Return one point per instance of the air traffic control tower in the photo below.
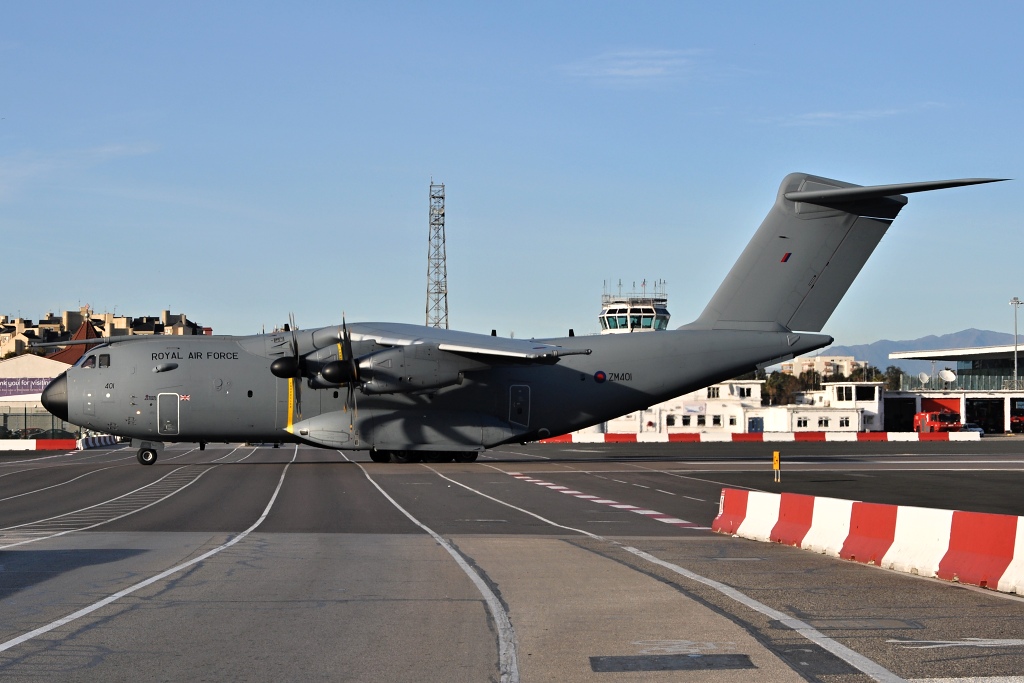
(641, 311)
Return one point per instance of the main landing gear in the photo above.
(147, 456)
(422, 456)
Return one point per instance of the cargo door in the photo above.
(519, 405)
(167, 414)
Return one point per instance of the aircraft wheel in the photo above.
(147, 456)
(202, 445)
(380, 456)
(406, 456)
(466, 457)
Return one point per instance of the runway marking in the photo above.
(229, 453)
(650, 514)
(508, 661)
(526, 455)
(27, 493)
(151, 580)
(101, 513)
(851, 657)
(668, 492)
(965, 642)
(246, 457)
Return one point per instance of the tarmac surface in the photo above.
(555, 562)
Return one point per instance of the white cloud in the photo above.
(634, 67)
(834, 118)
(18, 169)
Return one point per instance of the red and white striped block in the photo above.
(37, 444)
(757, 437)
(977, 548)
(96, 442)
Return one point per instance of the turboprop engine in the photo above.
(415, 367)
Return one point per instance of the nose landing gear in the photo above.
(147, 456)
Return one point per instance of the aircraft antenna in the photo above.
(437, 268)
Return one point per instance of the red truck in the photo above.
(937, 421)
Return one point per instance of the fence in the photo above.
(34, 423)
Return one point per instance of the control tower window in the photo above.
(613, 323)
(647, 321)
(660, 323)
(90, 362)
(634, 320)
(623, 322)
(604, 323)
(104, 360)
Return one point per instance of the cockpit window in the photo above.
(104, 360)
(90, 362)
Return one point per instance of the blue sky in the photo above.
(238, 161)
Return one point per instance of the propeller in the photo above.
(352, 372)
(345, 371)
(290, 367)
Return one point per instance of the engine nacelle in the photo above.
(415, 367)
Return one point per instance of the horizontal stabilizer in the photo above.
(853, 194)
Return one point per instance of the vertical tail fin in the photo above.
(807, 252)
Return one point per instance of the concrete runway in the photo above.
(537, 563)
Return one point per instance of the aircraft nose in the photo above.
(55, 396)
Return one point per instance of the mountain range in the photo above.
(877, 353)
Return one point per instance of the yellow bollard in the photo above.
(777, 466)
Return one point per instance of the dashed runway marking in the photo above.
(650, 514)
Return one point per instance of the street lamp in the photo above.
(1015, 302)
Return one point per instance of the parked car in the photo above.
(972, 427)
(27, 433)
(55, 434)
(6, 433)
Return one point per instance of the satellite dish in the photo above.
(924, 377)
(947, 375)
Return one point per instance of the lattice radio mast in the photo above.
(437, 268)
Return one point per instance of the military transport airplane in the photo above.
(407, 392)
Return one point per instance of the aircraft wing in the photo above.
(461, 343)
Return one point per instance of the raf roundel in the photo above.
(600, 376)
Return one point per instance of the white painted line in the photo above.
(153, 579)
(246, 457)
(854, 659)
(55, 485)
(508, 661)
(71, 525)
(228, 453)
(668, 492)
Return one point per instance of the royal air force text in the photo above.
(196, 355)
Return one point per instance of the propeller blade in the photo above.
(296, 367)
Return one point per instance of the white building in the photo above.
(825, 366)
(735, 407)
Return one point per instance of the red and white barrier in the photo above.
(977, 548)
(96, 442)
(757, 437)
(37, 444)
